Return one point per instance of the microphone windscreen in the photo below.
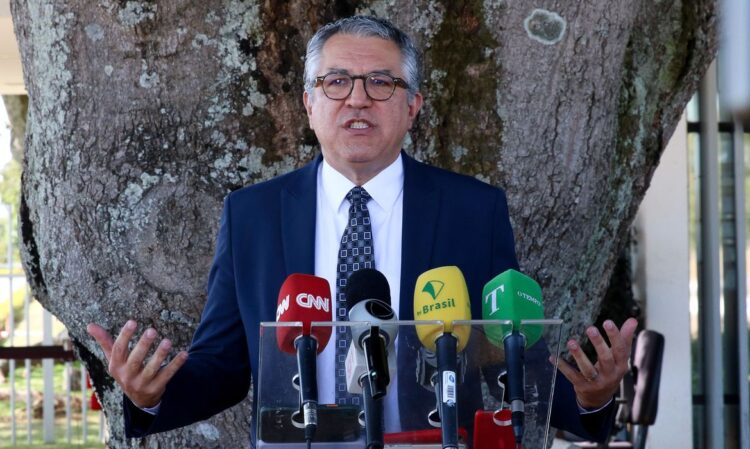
(368, 298)
(513, 296)
(303, 298)
(441, 294)
(367, 283)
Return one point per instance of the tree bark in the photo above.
(143, 115)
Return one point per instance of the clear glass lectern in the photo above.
(410, 416)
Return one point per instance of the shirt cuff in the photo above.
(581, 409)
(155, 409)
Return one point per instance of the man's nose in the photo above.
(358, 97)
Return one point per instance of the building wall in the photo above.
(662, 280)
(11, 74)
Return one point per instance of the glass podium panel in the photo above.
(409, 408)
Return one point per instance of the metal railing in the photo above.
(29, 344)
(49, 355)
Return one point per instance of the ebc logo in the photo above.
(433, 288)
(309, 301)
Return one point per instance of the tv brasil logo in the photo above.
(434, 288)
(304, 300)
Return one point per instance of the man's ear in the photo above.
(414, 107)
(307, 100)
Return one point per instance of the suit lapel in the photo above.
(421, 209)
(298, 205)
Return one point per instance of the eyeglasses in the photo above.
(378, 86)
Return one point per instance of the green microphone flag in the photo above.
(513, 296)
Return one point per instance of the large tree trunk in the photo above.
(143, 115)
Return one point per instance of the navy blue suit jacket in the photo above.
(267, 232)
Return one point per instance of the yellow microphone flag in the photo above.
(441, 294)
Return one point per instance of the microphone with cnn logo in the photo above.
(304, 298)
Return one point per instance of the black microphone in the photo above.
(426, 369)
(368, 298)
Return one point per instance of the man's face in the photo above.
(359, 136)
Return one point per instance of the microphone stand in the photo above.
(376, 357)
(446, 389)
(514, 355)
(374, 383)
(373, 416)
(308, 389)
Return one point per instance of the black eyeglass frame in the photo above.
(397, 82)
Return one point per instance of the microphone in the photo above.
(513, 296)
(441, 294)
(304, 298)
(368, 298)
(426, 368)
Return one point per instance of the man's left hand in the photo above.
(595, 384)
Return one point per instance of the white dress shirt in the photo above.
(386, 218)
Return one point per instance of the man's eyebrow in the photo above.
(346, 72)
(384, 72)
(337, 70)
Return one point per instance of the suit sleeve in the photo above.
(565, 412)
(566, 415)
(217, 372)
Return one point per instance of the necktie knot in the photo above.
(357, 196)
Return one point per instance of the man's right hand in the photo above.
(143, 383)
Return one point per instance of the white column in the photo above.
(663, 280)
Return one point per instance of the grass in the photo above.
(37, 436)
(37, 385)
(37, 377)
(57, 446)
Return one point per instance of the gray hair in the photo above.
(364, 26)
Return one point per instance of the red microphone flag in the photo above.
(303, 298)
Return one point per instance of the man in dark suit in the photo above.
(422, 217)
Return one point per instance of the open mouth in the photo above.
(358, 124)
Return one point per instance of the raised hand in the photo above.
(596, 383)
(144, 382)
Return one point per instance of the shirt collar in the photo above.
(384, 188)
